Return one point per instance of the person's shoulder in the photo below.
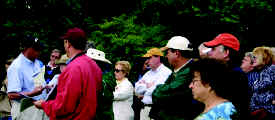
(226, 105)
(85, 59)
(221, 111)
(272, 68)
(16, 64)
(127, 82)
(186, 69)
(39, 62)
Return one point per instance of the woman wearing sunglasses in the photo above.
(123, 94)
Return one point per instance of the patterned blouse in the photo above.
(263, 90)
(222, 111)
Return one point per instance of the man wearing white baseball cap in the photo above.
(173, 100)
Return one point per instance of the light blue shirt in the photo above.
(21, 73)
(222, 111)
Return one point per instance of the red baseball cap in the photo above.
(225, 39)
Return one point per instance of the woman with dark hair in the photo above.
(210, 78)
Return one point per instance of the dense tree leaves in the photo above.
(126, 29)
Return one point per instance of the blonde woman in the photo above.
(263, 87)
(123, 94)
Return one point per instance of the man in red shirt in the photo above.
(78, 84)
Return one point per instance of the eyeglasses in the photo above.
(117, 70)
(194, 81)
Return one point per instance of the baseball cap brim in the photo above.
(164, 48)
(212, 43)
(147, 55)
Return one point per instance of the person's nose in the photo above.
(191, 85)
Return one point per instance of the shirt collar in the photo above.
(176, 70)
(158, 69)
(118, 82)
(49, 64)
(26, 59)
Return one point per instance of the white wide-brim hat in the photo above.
(97, 55)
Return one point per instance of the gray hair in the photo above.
(251, 56)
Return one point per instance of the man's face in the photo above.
(153, 61)
(217, 52)
(171, 56)
(246, 65)
(66, 47)
(33, 53)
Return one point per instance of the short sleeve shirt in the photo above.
(21, 73)
(222, 111)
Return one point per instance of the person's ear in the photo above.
(177, 52)
(226, 53)
(67, 43)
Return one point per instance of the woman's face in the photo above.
(258, 61)
(199, 90)
(119, 72)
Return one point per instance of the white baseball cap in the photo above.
(178, 42)
(97, 55)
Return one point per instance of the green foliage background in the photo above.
(124, 30)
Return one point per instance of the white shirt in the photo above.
(123, 100)
(158, 76)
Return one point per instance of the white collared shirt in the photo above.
(158, 76)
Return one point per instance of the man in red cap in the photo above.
(225, 47)
(78, 84)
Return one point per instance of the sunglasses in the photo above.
(54, 56)
(117, 70)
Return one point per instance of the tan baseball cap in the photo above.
(63, 60)
(153, 51)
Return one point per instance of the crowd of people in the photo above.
(82, 85)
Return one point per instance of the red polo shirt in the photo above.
(76, 92)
